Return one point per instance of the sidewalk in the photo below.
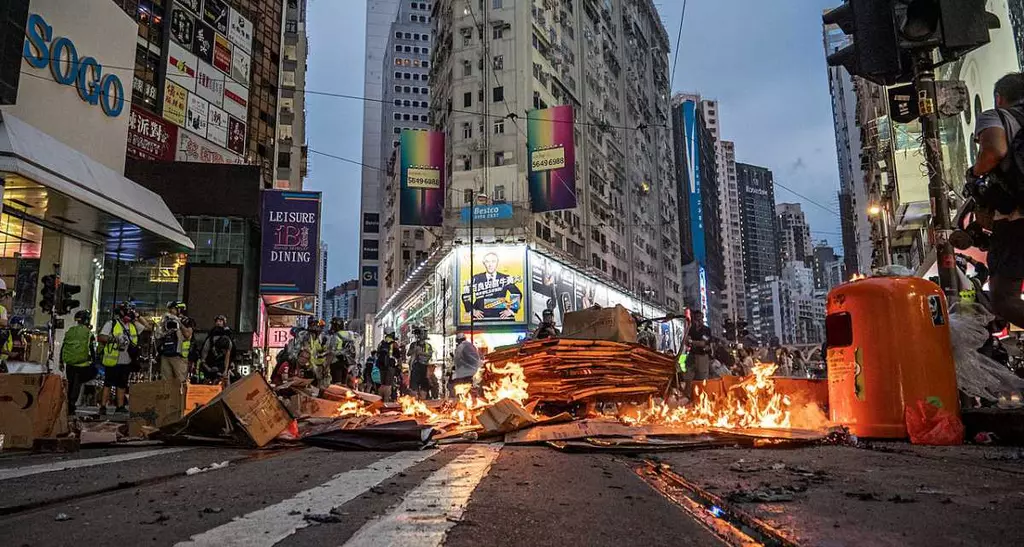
(888, 494)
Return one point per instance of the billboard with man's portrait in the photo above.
(491, 285)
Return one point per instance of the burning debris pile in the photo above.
(557, 374)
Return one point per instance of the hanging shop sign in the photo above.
(552, 151)
(175, 103)
(422, 178)
(497, 211)
(291, 242)
(84, 73)
(150, 138)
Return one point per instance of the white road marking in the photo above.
(16, 472)
(433, 507)
(272, 524)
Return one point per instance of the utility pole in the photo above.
(924, 83)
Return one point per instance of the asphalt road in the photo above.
(476, 494)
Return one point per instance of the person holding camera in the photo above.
(173, 342)
(120, 340)
(215, 356)
(996, 182)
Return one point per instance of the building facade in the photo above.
(342, 301)
(794, 234)
(493, 61)
(292, 154)
(380, 17)
(734, 302)
(760, 237)
(698, 186)
(827, 266)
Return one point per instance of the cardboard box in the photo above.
(156, 404)
(32, 406)
(304, 406)
(505, 416)
(256, 408)
(612, 324)
(38, 350)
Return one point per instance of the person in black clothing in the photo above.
(547, 328)
(389, 357)
(215, 356)
(698, 366)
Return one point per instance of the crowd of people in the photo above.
(128, 340)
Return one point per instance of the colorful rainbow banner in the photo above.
(552, 152)
(423, 178)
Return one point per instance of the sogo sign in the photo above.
(67, 68)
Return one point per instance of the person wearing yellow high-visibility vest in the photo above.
(6, 336)
(317, 347)
(117, 338)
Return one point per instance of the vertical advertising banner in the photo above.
(291, 242)
(492, 284)
(422, 174)
(692, 143)
(552, 172)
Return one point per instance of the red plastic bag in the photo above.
(929, 423)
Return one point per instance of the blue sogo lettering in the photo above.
(85, 73)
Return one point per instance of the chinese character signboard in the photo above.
(291, 242)
(150, 138)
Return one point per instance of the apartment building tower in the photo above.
(493, 61)
(794, 234)
(292, 154)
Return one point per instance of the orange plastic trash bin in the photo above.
(888, 347)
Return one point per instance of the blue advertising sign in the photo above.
(692, 141)
(291, 242)
(67, 68)
(498, 211)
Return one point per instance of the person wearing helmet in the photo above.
(6, 334)
(341, 351)
(547, 328)
(173, 338)
(316, 343)
(119, 339)
(215, 355)
(77, 355)
(389, 356)
(467, 362)
(420, 353)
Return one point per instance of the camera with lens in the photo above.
(170, 324)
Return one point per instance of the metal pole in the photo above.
(886, 243)
(924, 81)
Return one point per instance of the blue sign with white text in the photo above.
(43, 50)
(498, 211)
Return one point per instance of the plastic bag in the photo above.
(977, 375)
(929, 423)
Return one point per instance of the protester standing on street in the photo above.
(215, 355)
(6, 334)
(341, 351)
(698, 365)
(547, 328)
(389, 355)
(119, 338)
(420, 354)
(997, 133)
(467, 362)
(78, 356)
(173, 341)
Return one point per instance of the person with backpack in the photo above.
(341, 351)
(996, 182)
(389, 357)
(78, 356)
(119, 338)
(173, 342)
(215, 356)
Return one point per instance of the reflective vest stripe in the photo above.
(111, 351)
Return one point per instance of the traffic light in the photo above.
(50, 284)
(875, 53)
(64, 301)
(956, 27)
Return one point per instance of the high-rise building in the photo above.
(321, 282)
(827, 267)
(794, 234)
(853, 197)
(735, 301)
(342, 301)
(698, 186)
(380, 16)
(760, 237)
(406, 105)
(208, 74)
(292, 154)
(494, 60)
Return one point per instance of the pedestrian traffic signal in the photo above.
(49, 292)
(875, 53)
(64, 301)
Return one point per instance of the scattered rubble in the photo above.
(197, 470)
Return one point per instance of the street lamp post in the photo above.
(882, 214)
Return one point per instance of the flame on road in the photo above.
(753, 403)
(508, 382)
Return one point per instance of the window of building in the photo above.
(499, 94)
(398, 130)
(406, 75)
(284, 159)
(467, 130)
(398, 89)
(425, 64)
(398, 116)
(496, 4)
(467, 99)
(499, 192)
(398, 75)
(398, 102)
(398, 35)
(405, 117)
(499, 159)
(467, 35)
(499, 127)
(424, 78)
(408, 36)
(499, 62)
(406, 103)
(426, 51)
(415, 50)
(467, 196)
(406, 88)
(467, 67)
(498, 33)
(398, 49)
(467, 162)
(416, 36)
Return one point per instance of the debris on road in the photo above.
(197, 470)
(61, 517)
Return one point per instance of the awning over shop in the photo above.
(52, 182)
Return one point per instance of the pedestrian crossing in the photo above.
(29, 470)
